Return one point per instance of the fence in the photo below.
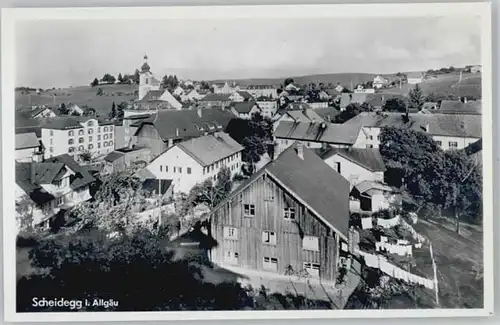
(381, 263)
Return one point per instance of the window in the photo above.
(70, 141)
(370, 137)
(217, 165)
(166, 168)
(80, 140)
(269, 237)
(51, 149)
(90, 138)
(80, 132)
(99, 129)
(337, 166)
(249, 209)
(71, 149)
(105, 144)
(453, 144)
(439, 143)
(90, 123)
(99, 137)
(180, 170)
(310, 243)
(105, 137)
(161, 168)
(189, 170)
(80, 148)
(378, 137)
(175, 168)
(230, 233)
(58, 183)
(270, 263)
(312, 269)
(71, 133)
(369, 146)
(59, 201)
(289, 213)
(204, 169)
(110, 143)
(110, 129)
(231, 257)
(105, 129)
(91, 146)
(90, 131)
(213, 166)
(98, 145)
(51, 133)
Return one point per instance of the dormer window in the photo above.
(80, 132)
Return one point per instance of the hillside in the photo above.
(83, 95)
(445, 85)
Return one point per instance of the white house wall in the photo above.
(354, 173)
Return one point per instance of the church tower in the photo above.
(145, 78)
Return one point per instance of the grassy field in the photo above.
(83, 95)
(459, 260)
(445, 85)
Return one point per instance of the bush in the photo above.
(239, 177)
(26, 241)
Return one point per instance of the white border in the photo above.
(10, 16)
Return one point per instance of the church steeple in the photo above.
(145, 66)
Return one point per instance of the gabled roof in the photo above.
(243, 107)
(327, 112)
(71, 122)
(414, 75)
(311, 182)
(306, 115)
(82, 177)
(458, 125)
(216, 97)
(430, 105)
(26, 140)
(39, 110)
(318, 132)
(114, 155)
(369, 187)
(152, 95)
(244, 94)
(179, 124)
(369, 158)
(350, 98)
(210, 148)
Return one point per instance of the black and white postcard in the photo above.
(318, 160)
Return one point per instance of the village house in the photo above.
(225, 88)
(338, 88)
(349, 98)
(147, 80)
(355, 164)
(262, 91)
(241, 96)
(28, 148)
(245, 110)
(373, 196)
(291, 215)
(414, 78)
(43, 111)
(166, 128)
(126, 158)
(362, 90)
(74, 135)
(267, 106)
(178, 91)
(430, 106)
(219, 100)
(380, 82)
(74, 109)
(126, 128)
(46, 189)
(193, 95)
(193, 161)
(314, 135)
(450, 131)
(305, 115)
(323, 95)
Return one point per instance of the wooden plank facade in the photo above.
(270, 200)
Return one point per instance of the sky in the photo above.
(63, 53)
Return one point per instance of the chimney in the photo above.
(299, 147)
(198, 111)
(465, 100)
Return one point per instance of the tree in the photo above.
(121, 110)
(136, 77)
(107, 78)
(288, 81)
(416, 97)
(86, 156)
(112, 113)
(432, 176)
(25, 208)
(120, 78)
(395, 105)
(255, 147)
(63, 109)
(94, 83)
(99, 92)
(351, 111)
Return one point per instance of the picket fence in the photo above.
(381, 263)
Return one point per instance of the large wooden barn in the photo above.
(293, 214)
